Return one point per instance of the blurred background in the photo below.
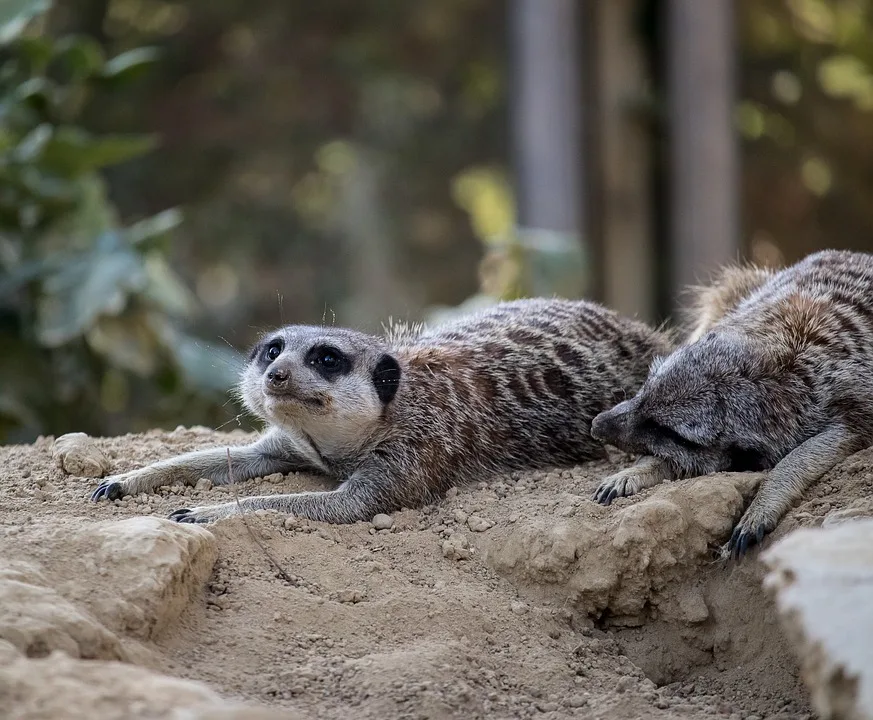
(177, 176)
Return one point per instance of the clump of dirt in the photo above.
(517, 598)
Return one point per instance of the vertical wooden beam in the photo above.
(704, 206)
(622, 82)
(546, 111)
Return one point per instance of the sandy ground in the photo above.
(514, 598)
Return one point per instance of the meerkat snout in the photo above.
(613, 426)
(277, 379)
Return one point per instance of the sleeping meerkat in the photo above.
(398, 420)
(778, 377)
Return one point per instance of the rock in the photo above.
(479, 524)
(76, 454)
(856, 511)
(823, 582)
(60, 686)
(519, 608)
(36, 620)
(204, 484)
(624, 559)
(383, 522)
(456, 547)
(275, 478)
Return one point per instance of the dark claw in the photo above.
(183, 515)
(109, 489)
(742, 540)
(613, 494)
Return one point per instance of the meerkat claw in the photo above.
(109, 489)
(608, 491)
(743, 539)
(185, 515)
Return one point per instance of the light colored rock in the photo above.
(823, 582)
(77, 454)
(630, 556)
(383, 522)
(204, 484)
(153, 569)
(456, 547)
(477, 523)
(36, 620)
(58, 686)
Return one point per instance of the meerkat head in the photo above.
(700, 408)
(332, 385)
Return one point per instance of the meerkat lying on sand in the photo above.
(778, 376)
(398, 420)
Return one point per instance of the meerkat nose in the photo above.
(608, 425)
(277, 378)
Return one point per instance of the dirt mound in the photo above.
(515, 598)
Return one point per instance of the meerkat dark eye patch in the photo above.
(272, 350)
(669, 433)
(386, 378)
(328, 361)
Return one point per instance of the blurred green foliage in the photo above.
(86, 302)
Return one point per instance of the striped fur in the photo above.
(512, 388)
(780, 379)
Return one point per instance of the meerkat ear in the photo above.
(386, 378)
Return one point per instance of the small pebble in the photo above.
(383, 522)
(452, 492)
(204, 484)
(479, 524)
(519, 608)
(456, 547)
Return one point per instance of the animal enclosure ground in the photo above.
(514, 598)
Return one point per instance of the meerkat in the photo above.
(398, 420)
(777, 378)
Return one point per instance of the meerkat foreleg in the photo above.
(647, 472)
(351, 502)
(375, 487)
(274, 452)
(786, 483)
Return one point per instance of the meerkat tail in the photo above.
(787, 482)
(729, 288)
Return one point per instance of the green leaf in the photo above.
(155, 226)
(128, 342)
(73, 151)
(33, 144)
(81, 56)
(35, 51)
(16, 14)
(206, 366)
(166, 290)
(129, 65)
(34, 87)
(95, 284)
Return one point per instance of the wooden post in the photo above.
(704, 206)
(546, 111)
(622, 83)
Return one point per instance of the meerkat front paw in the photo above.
(619, 485)
(205, 514)
(112, 488)
(749, 531)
